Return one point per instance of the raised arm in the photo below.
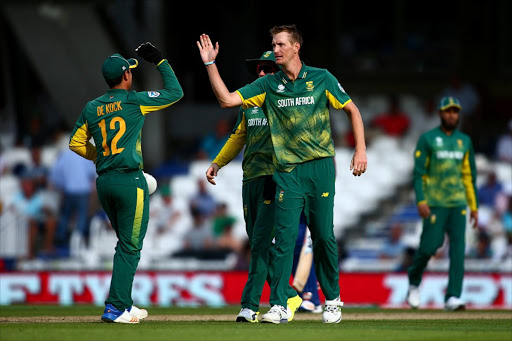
(208, 54)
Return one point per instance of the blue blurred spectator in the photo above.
(203, 201)
(393, 248)
(212, 143)
(74, 176)
(29, 202)
(488, 192)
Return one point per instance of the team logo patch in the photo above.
(459, 143)
(325, 194)
(310, 86)
(439, 141)
(418, 153)
(281, 195)
(341, 88)
(280, 88)
(153, 94)
(433, 218)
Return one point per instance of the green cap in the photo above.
(115, 65)
(449, 102)
(266, 58)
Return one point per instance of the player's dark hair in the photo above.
(113, 82)
(295, 35)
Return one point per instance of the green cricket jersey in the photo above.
(115, 122)
(251, 130)
(445, 170)
(297, 112)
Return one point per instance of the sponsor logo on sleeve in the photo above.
(153, 94)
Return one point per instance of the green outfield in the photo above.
(23, 322)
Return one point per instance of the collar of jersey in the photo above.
(302, 74)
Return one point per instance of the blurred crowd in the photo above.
(53, 189)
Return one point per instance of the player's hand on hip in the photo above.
(149, 52)
(211, 173)
(358, 163)
(207, 50)
(423, 210)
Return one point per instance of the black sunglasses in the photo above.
(265, 68)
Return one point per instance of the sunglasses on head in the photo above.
(265, 68)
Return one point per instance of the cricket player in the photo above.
(114, 121)
(445, 186)
(258, 193)
(296, 102)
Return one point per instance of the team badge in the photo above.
(459, 143)
(433, 218)
(439, 141)
(153, 94)
(281, 195)
(310, 86)
(280, 88)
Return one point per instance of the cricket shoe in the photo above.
(332, 311)
(309, 307)
(111, 314)
(138, 313)
(293, 304)
(454, 304)
(247, 315)
(413, 296)
(276, 314)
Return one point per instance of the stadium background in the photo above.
(51, 53)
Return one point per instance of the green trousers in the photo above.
(125, 199)
(309, 187)
(452, 222)
(259, 207)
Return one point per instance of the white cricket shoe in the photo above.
(276, 314)
(138, 313)
(332, 311)
(112, 314)
(247, 315)
(454, 304)
(413, 296)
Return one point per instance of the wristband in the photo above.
(210, 63)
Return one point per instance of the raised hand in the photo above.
(149, 52)
(207, 51)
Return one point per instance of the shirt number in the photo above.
(119, 134)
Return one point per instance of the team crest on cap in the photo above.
(153, 94)
(266, 54)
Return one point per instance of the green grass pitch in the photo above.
(24, 322)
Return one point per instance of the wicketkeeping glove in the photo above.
(149, 52)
